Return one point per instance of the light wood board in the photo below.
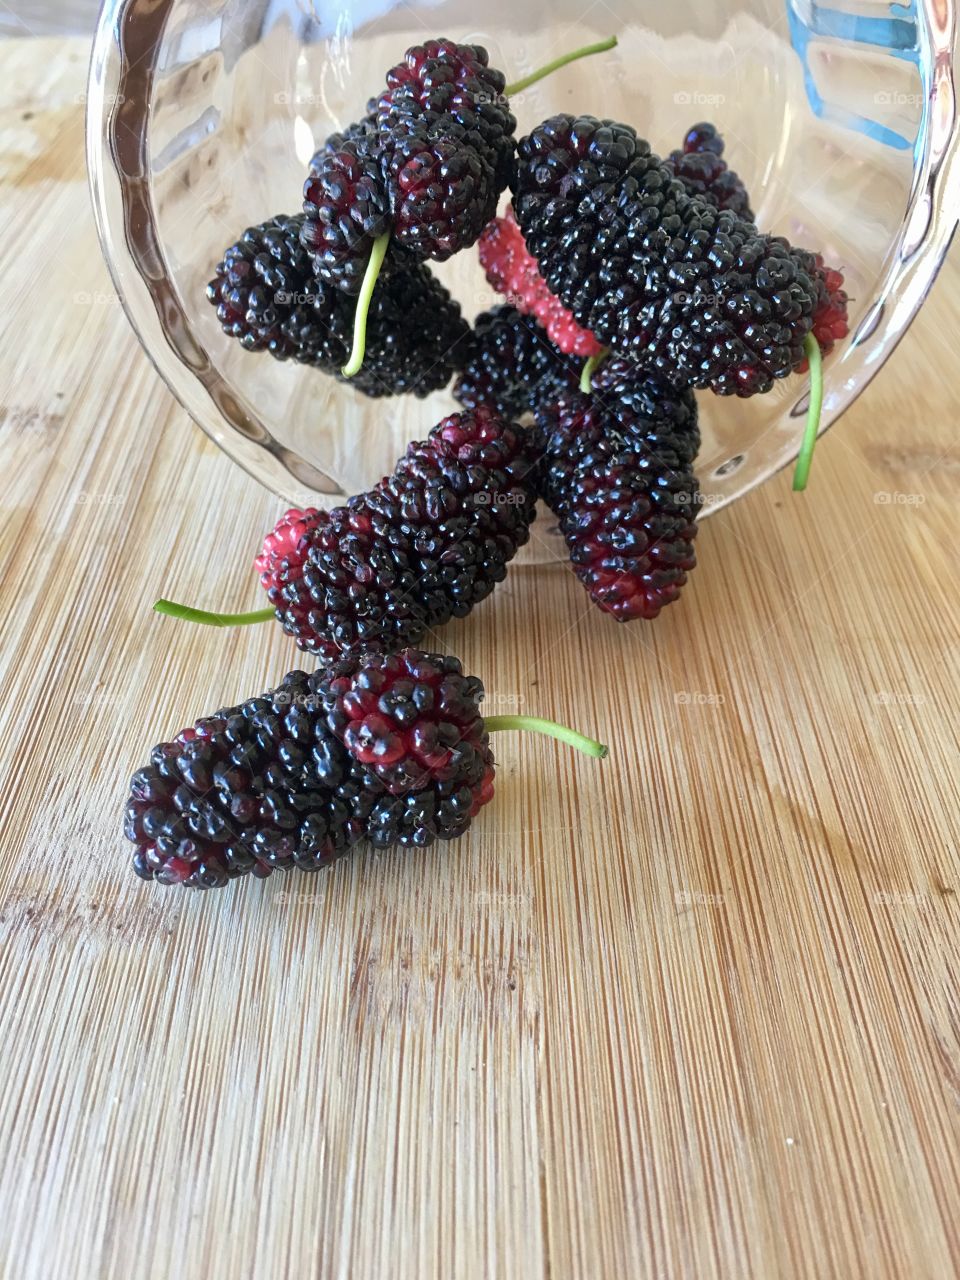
(691, 1012)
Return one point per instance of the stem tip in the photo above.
(534, 724)
(186, 613)
(601, 46)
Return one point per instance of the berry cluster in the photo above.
(629, 282)
(657, 259)
(417, 178)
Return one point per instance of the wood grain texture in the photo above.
(692, 1012)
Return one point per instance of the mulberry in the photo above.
(512, 366)
(695, 293)
(424, 545)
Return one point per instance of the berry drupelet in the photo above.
(268, 298)
(695, 293)
(474, 451)
(442, 194)
(251, 789)
(424, 545)
(580, 431)
(512, 270)
(455, 546)
(627, 505)
(511, 365)
(700, 166)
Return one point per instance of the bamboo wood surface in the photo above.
(688, 1012)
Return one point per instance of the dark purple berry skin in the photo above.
(346, 208)
(581, 430)
(442, 193)
(252, 789)
(452, 88)
(446, 136)
(263, 281)
(703, 172)
(702, 138)
(571, 433)
(627, 506)
(412, 719)
(442, 811)
(416, 337)
(692, 292)
(268, 298)
(512, 366)
(648, 413)
(343, 588)
(349, 133)
(423, 546)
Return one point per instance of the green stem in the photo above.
(187, 614)
(533, 724)
(590, 368)
(802, 473)
(600, 47)
(355, 363)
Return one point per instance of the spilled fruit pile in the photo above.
(629, 282)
